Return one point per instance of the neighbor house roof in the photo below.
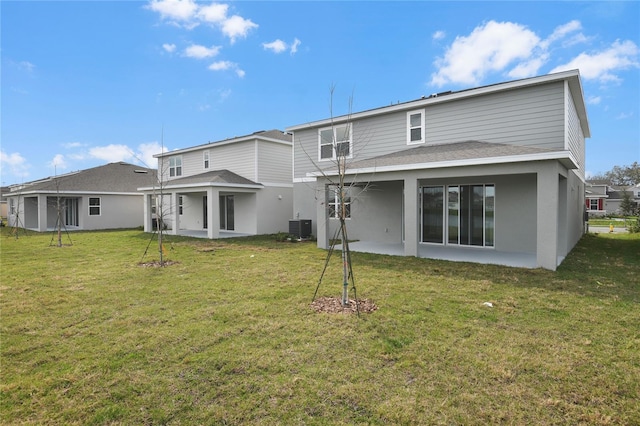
(111, 178)
(451, 155)
(224, 178)
(571, 77)
(275, 135)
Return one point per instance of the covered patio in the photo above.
(454, 254)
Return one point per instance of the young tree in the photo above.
(336, 139)
(627, 205)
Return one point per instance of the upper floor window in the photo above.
(335, 142)
(205, 158)
(175, 166)
(415, 127)
(94, 206)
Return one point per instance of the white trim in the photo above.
(62, 193)
(305, 179)
(99, 206)
(409, 128)
(202, 185)
(334, 142)
(558, 155)
(206, 159)
(211, 145)
(277, 184)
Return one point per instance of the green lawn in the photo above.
(226, 336)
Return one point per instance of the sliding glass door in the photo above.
(467, 217)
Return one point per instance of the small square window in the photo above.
(94, 206)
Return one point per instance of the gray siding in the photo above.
(529, 116)
(238, 158)
(274, 163)
(575, 137)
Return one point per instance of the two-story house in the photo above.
(493, 174)
(237, 186)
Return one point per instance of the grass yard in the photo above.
(227, 336)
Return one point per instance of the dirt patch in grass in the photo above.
(157, 264)
(333, 305)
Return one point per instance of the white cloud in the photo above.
(112, 153)
(214, 13)
(490, 47)
(276, 46)
(624, 116)
(169, 47)
(227, 65)
(237, 26)
(58, 162)
(602, 65)
(174, 10)
(279, 46)
(189, 14)
(26, 66)
(438, 35)
(71, 145)
(518, 52)
(561, 32)
(146, 151)
(594, 100)
(16, 163)
(200, 52)
(294, 46)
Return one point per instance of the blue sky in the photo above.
(87, 83)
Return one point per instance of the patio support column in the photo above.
(148, 221)
(547, 205)
(42, 213)
(175, 217)
(213, 213)
(321, 215)
(411, 221)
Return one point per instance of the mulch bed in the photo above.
(333, 305)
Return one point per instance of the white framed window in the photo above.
(334, 203)
(180, 204)
(415, 127)
(95, 206)
(335, 142)
(175, 166)
(205, 159)
(12, 206)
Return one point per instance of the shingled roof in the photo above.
(447, 152)
(220, 177)
(118, 177)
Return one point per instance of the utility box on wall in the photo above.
(300, 228)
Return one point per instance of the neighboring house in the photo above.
(603, 199)
(103, 197)
(493, 174)
(4, 207)
(596, 194)
(238, 186)
(616, 195)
